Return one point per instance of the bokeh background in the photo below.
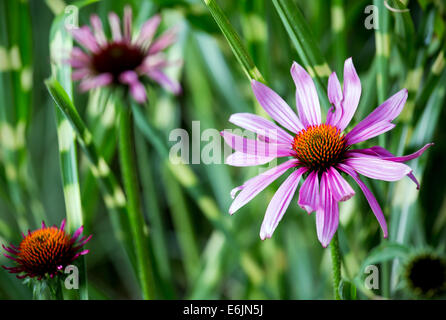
(198, 250)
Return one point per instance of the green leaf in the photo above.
(385, 252)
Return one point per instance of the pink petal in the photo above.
(377, 168)
(309, 193)
(255, 185)
(276, 107)
(148, 30)
(261, 126)
(85, 38)
(327, 215)
(369, 196)
(240, 159)
(379, 121)
(335, 97)
(279, 203)
(101, 80)
(307, 101)
(98, 30)
(77, 233)
(128, 23)
(79, 59)
(62, 224)
(80, 74)
(115, 26)
(165, 40)
(256, 147)
(387, 155)
(167, 83)
(137, 89)
(351, 94)
(339, 187)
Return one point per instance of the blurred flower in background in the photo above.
(318, 149)
(125, 58)
(425, 273)
(46, 251)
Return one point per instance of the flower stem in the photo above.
(136, 218)
(55, 288)
(336, 265)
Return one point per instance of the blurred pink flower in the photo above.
(125, 58)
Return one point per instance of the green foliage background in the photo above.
(197, 250)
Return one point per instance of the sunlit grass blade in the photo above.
(113, 195)
(234, 41)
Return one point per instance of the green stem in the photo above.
(136, 218)
(55, 286)
(336, 265)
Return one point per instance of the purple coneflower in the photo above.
(319, 151)
(124, 59)
(45, 251)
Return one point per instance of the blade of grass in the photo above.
(234, 41)
(158, 230)
(112, 193)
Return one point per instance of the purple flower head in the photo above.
(45, 251)
(125, 59)
(318, 151)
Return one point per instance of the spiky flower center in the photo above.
(319, 147)
(45, 250)
(117, 57)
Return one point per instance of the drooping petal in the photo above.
(256, 147)
(309, 193)
(339, 187)
(351, 94)
(261, 126)
(377, 168)
(276, 107)
(335, 97)
(279, 203)
(379, 121)
(137, 89)
(307, 101)
(240, 159)
(255, 185)
(387, 155)
(369, 196)
(115, 26)
(163, 80)
(101, 80)
(327, 214)
(148, 30)
(165, 40)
